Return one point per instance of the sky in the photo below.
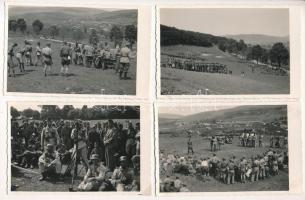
(228, 21)
(23, 106)
(189, 110)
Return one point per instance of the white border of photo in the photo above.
(146, 171)
(295, 13)
(294, 142)
(144, 45)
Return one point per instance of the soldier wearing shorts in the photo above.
(28, 52)
(65, 54)
(47, 58)
(38, 55)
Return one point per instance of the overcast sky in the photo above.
(229, 21)
(23, 106)
(188, 110)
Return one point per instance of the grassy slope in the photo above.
(187, 82)
(81, 81)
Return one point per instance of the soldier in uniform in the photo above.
(124, 61)
(49, 163)
(231, 172)
(65, 54)
(255, 170)
(80, 139)
(38, 55)
(49, 135)
(47, 58)
(110, 142)
(95, 178)
(130, 142)
(223, 170)
(28, 52)
(242, 169)
(89, 53)
(122, 177)
(10, 62)
(190, 147)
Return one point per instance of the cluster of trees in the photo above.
(84, 113)
(278, 55)
(117, 34)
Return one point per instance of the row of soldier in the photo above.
(226, 170)
(99, 55)
(196, 65)
(114, 151)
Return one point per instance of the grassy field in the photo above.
(177, 82)
(178, 144)
(80, 80)
(28, 181)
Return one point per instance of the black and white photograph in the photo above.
(224, 51)
(62, 148)
(72, 50)
(223, 148)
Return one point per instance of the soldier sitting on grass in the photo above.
(49, 164)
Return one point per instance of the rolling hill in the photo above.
(260, 39)
(73, 16)
(241, 113)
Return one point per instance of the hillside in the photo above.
(74, 16)
(260, 39)
(241, 113)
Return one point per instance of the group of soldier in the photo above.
(99, 55)
(249, 139)
(217, 141)
(226, 170)
(108, 151)
(196, 65)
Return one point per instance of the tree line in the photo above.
(69, 112)
(116, 34)
(277, 55)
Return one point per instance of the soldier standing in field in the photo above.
(10, 62)
(190, 147)
(38, 55)
(65, 54)
(28, 52)
(47, 58)
(124, 61)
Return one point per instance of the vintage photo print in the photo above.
(224, 51)
(72, 50)
(224, 148)
(61, 148)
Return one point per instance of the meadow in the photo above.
(242, 80)
(80, 80)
